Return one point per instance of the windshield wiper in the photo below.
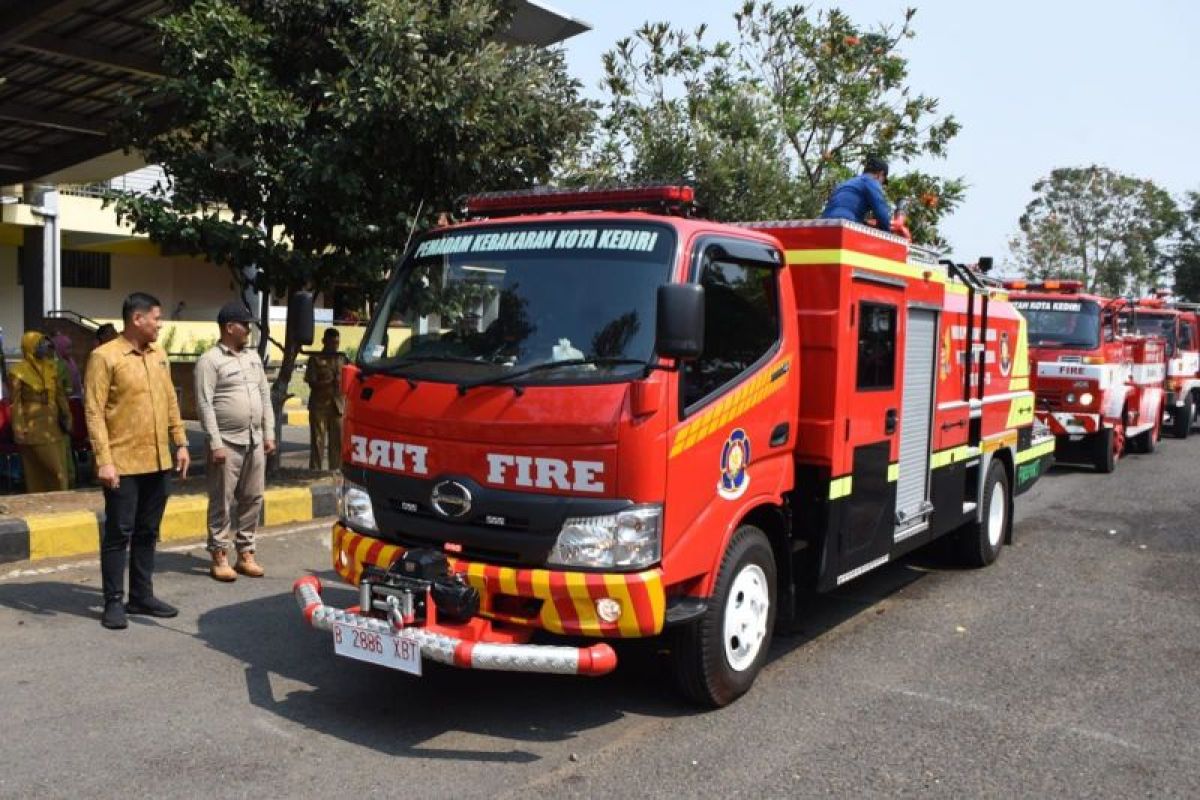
(396, 366)
(497, 380)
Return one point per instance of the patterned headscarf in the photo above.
(41, 374)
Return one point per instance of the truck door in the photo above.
(916, 404)
(872, 422)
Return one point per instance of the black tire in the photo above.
(1103, 457)
(702, 666)
(979, 542)
(1181, 420)
(1147, 441)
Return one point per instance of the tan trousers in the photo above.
(235, 497)
(45, 467)
(325, 435)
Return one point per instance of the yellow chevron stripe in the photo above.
(840, 487)
(541, 589)
(944, 458)
(585, 612)
(731, 407)
(1037, 451)
(618, 589)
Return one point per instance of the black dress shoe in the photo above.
(113, 617)
(151, 607)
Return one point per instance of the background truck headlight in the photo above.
(354, 506)
(629, 539)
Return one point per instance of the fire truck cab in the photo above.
(591, 415)
(1175, 324)
(1099, 388)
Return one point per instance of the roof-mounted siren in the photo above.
(1152, 302)
(1052, 285)
(657, 198)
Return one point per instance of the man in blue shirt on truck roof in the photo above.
(853, 198)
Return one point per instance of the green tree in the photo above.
(1100, 226)
(767, 125)
(308, 137)
(1187, 253)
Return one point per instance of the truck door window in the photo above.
(876, 346)
(741, 325)
(1187, 337)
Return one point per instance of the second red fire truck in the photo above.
(588, 414)
(1099, 388)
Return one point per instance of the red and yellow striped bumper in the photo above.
(553, 600)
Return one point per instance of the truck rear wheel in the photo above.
(979, 542)
(1181, 420)
(717, 657)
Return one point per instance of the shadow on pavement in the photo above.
(401, 715)
(50, 598)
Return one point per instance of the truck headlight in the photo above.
(1085, 399)
(629, 539)
(354, 506)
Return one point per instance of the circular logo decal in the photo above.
(735, 458)
(451, 499)
(1005, 355)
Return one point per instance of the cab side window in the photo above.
(741, 325)
(1187, 337)
(876, 346)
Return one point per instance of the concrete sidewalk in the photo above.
(76, 532)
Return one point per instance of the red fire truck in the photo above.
(1175, 324)
(590, 414)
(1099, 389)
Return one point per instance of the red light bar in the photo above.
(662, 198)
(1152, 302)
(1016, 284)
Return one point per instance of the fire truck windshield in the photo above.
(476, 305)
(1151, 324)
(1072, 324)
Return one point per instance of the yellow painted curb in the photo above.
(293, 402)
(282, 506)
(186, 517)
(298, 417)
(70, 533)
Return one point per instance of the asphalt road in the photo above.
(1069, 668)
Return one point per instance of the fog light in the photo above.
(608, 610)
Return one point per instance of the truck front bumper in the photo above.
(465, 645)
(557, 601)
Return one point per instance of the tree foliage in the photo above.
(1100, 226)
(767, 125)
(308, 137)
(1187, 253)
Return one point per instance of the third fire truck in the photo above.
(591, 415)
(1099, 388)
(1175, 324)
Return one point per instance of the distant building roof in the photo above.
(64, 65)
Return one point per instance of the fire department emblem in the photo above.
(735, 458)
(1005, 355)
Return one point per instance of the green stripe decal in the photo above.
(1037, 451)
(944, 458)
(893, 473)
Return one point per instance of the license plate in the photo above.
(386, 650)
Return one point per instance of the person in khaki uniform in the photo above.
(40, 415)
(133, 419)
(234, 403)
(326, 403)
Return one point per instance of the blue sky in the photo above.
(1036, 85)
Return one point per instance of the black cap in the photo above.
(234, 311)
(876, 164)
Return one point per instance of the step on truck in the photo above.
(592, 417)
(1099, 387)
(1175, 324)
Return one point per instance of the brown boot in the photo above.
(247, 565)
(220, 569)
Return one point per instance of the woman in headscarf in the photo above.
(40, 415)
(72, 387)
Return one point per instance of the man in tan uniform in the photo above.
(234, 404)
(133, 420)
(326, 403)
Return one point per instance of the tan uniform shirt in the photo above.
(323, 374)
(131, 409)
(233, 397)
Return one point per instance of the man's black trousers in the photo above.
(132, 514)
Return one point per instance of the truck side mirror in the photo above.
(680, 332)
(300, 322)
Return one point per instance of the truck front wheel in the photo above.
(1181, 418)
(1106, 446)
(717, 657)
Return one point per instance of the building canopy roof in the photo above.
(66, 64)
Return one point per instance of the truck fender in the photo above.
(1114, 402)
